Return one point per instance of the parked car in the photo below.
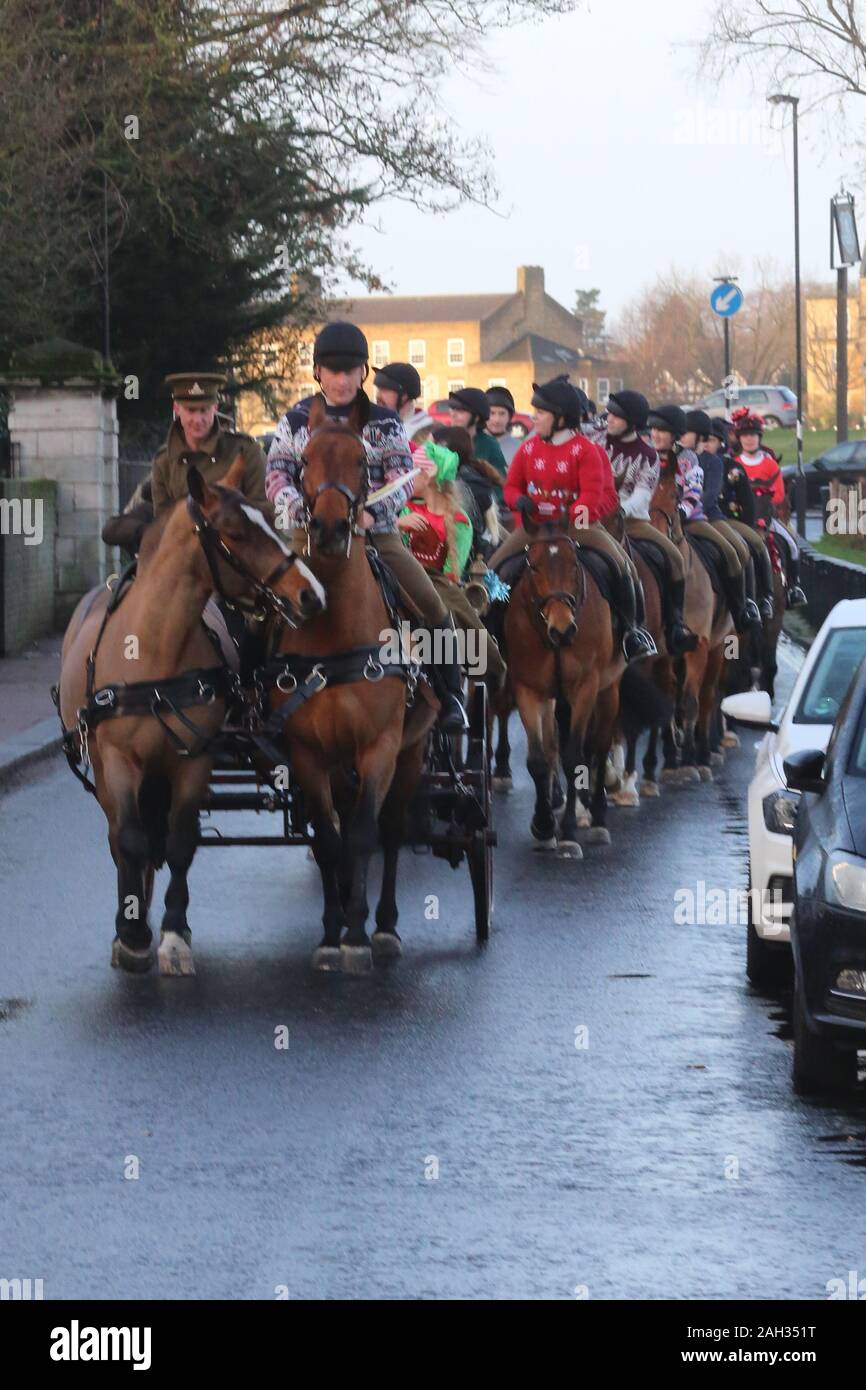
(806, 722)
(841, 461)
(828, 930)
(777, 404)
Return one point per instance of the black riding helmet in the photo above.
(563, 400)
(719, 427)
(501, 396)
(668, 417)
(700, 422)
(474, 400)
(340, 346)
(400, 377)
(630, 406)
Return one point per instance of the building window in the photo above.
(417, 352)
(305, 355)
(495, 381)
(455, 386)
(618, 384)
(381, 350)
(456, 353)
(270, 358)
(431, 389)
(584, 385)
(602, 389)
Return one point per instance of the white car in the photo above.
(806, 722)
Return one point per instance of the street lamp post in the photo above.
(780, 99)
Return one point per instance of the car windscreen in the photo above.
(831, 675)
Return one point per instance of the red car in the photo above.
(521, 424)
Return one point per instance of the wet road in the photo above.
(432, 1131)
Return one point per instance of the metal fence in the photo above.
(10, 457)
(826, 581)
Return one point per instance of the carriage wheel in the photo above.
(480, 854)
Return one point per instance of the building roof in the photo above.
(533, 348)
(421, 308)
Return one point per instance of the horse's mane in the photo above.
(153, 535)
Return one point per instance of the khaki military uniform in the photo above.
(213, 460)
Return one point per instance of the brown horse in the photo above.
(709, 618)
(354, 753)
(562, 650)
(150, 756)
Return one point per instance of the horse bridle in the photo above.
(563, 595)
(356, 500)
(265, 600)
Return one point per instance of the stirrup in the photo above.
(767, 608)
(637, 644)
(796, 597)
(681, 639)
(452, 716)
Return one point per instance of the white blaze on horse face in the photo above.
(255, 515)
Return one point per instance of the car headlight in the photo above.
(780, 811)
(845, 880)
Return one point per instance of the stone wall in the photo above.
(69, 434)
(28, 525)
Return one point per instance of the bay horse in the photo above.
(562, 652)
(695, 676)
(340, 706)
(148, 741)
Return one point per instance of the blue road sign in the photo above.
(726, 299)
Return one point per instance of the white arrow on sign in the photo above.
(726, 299)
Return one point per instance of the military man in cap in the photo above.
(196, 437)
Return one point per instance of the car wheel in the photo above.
(821, 1067)
(768, 963)
(771, 423)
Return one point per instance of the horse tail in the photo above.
(641, 704)
(154, 804)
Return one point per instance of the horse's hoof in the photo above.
(356, 960)
(690, 774)
(386, 945)
(569, 849)
(125, 958)
(326, 958)
(625, 798)
(584, 819)
(705, 773)
(542, 844)
(717, 760)
(598, 835)
(671, 774)
(503, 784)
(539, 834)
(175, 953)
(730, 740)
(648, 788)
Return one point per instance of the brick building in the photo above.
(509, 339)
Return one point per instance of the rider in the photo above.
(340, 366)
(737, 503)
(668, 424)
(470, 410)
(478, 480)
(502, 408)
(698, 436)
(762, 469)
(440, 536)
(635, 466)
(559, 469)
(398, 387)
(197, 437)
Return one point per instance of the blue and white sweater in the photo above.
(388, 457)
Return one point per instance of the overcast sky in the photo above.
(616, 162)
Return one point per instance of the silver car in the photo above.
(777, 404)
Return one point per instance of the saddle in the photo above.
(711, 558)
(652, 556)
(594, 562)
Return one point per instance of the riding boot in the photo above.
(796, 598)
(764, 604)
(637, 643)
(448, 682)
(679, 638)
(744, 611)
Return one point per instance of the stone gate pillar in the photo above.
(63, 414)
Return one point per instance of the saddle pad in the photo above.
(593, 562)
(652, 557)
(711, 559)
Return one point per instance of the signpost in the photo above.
(725, 301)
(844, 240)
